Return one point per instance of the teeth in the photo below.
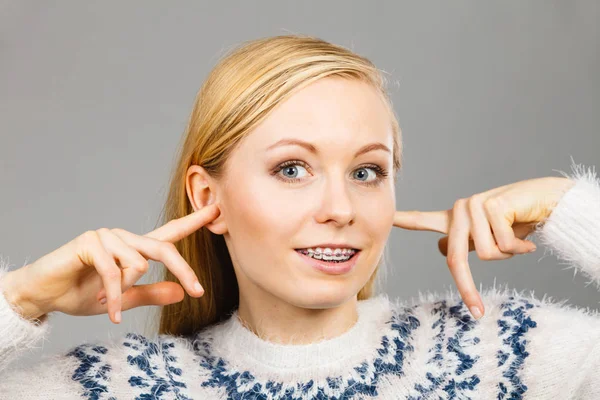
(327, 250)
(328, 254)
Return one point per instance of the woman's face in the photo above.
(279, 196)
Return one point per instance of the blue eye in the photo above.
(365, 175)
(292, 170)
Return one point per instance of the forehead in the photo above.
(331, 110)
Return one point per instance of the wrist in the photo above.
(559, 186)
(9, 285)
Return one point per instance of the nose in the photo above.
(336, 204)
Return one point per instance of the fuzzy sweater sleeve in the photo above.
(564, 351)
(60, 375)
(572, 231)
(17, 334)
(50, 377)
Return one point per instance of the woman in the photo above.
(280, 206)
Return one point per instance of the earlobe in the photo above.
(218, 226)
(202, 191)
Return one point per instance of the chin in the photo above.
(314, 289)
(321, 295)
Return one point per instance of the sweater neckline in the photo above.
(237, 344)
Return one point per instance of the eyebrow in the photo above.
(313, 149)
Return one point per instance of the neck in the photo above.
(242, 348)
(278, 321)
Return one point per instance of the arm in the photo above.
(572, 231)
(17, 334)
(566, 342)
(50, 378)
(88, 370)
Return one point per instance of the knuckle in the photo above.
(452, 260)
(169, 247)
(504, 246)
(492, 204)
(103, 231)
(113, 274)
(117, 231)
(115, 298)
(88, 236)
(459, 203)
(142, 266)
(165, 249)
(475, 200)
(485, 254)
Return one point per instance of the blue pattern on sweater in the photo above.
(92, 372)
(392, 347)
(455, 382)
(159, 372)
(512, 329)
(143, 353)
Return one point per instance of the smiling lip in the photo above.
(332, 246)
(330, 267)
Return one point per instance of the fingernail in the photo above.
(103, 300)
(475, 311)
(118, 316)
(534, 248)
(198, 287)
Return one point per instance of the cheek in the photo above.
(263, 213)
(376, 211)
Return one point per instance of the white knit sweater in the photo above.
(430, 348)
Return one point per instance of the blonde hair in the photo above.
(237, 95)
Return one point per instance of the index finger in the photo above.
(177, 229)
(435, 221)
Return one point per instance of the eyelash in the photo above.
(381, 172)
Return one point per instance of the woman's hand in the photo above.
(76, 277)
(493, 223)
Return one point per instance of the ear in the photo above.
(202, 191)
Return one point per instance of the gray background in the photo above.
(94, 97)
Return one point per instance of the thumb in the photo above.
(154, 294)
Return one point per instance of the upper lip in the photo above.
(332, 246)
